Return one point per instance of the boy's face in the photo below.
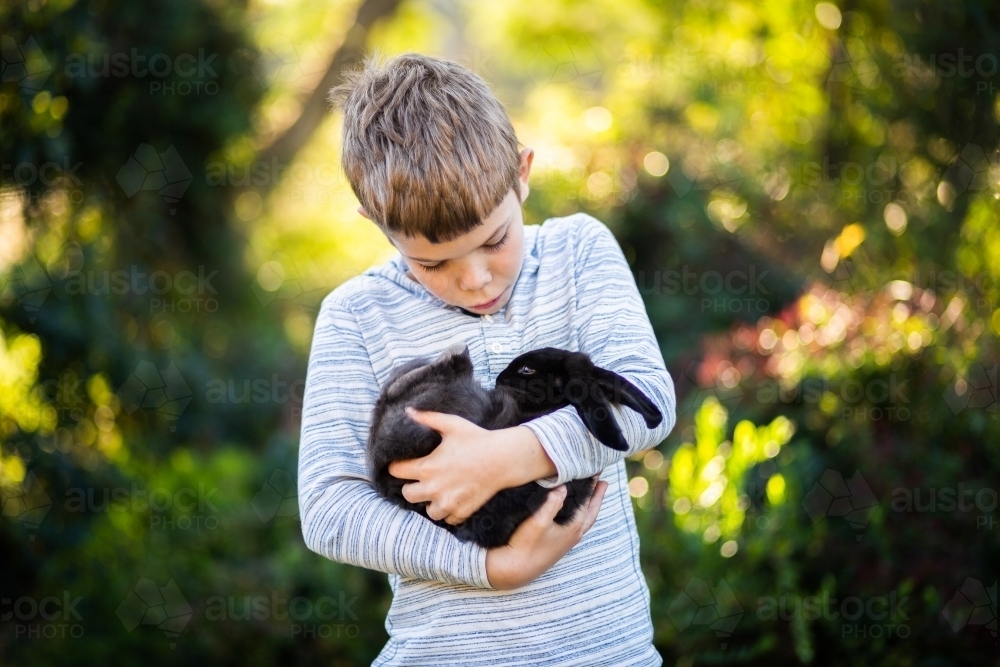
(477, 270)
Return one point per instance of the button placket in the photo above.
(495, 340)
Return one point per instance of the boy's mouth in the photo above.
(488, 304)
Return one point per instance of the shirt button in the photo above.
(489, 318)
(496, 347)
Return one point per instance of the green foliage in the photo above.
(706, 477)
(807, 195)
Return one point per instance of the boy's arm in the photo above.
(343, 518)
(611, 325)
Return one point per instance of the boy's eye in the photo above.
(489, 248)
(496, 246)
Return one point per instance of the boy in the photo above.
(434, 161)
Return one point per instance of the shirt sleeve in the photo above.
(610, 324)
(343, 518)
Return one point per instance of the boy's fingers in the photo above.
(455, 519)
(419, 416)
(437, 421)
(553, 503)
(590, 516)
(405, 469)
(415, 492)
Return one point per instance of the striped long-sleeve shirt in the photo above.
(574, 292)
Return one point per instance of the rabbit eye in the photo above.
(527, 370)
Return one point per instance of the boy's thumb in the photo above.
(433, 420)
(553, 502)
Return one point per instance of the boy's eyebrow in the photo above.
(503, 227)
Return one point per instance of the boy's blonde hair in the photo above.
(427, 147)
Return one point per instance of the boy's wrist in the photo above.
(528, 460)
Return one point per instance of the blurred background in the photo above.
(808, 195)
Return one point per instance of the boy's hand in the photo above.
(540, 542)
(469, 466)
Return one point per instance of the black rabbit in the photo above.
(534, 384)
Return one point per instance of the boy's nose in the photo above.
(474, 278)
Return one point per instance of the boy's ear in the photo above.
(524, 170)
(362, 211)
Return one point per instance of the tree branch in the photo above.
(284, 149)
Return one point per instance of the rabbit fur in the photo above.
(534, 384)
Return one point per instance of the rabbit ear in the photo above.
(407, 380)
(600, 420)
(624, 392)
(455, 358)
(453, 350)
